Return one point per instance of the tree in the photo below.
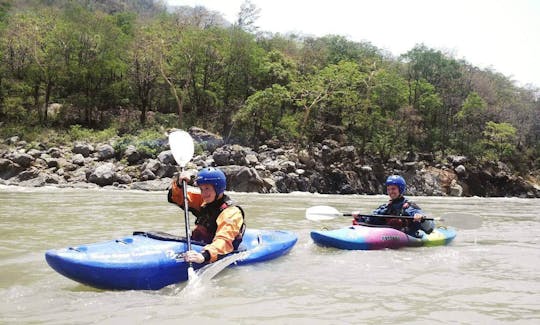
(96, 62)
(242, 61)
(175, 63)
(327, 92)
(499, 140)
(472, 117)
(424, 65)
(262, 113)
(144, 68)
(34, 55)
(248, 15)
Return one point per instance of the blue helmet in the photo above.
(398, 181)
(212, 176)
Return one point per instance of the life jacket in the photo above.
(206, 221)
(393, 209)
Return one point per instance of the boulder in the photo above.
(243, 179)
(9, 169)
(132, 155)
(84, 149)
(104, 152)
(207, 140)
(166, 157)
(103, 175)
(22, 159)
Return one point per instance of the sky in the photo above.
(501, 35)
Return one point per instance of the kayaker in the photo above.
(219, 222)
(398, 205)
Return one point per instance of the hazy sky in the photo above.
(501, 34)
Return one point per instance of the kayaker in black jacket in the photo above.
(398, 206)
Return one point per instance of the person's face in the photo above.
(393, 191)
(208, 193)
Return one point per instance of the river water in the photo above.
(490, 274)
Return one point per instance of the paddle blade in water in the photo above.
(322, 212)
(206, 273)
(182, 147)
(192, 276)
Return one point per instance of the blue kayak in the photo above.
(151, 261)
(364, 237)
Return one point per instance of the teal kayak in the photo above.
(363, 237)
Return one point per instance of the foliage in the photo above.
(499, 140)
(79, 133)
(119, 67)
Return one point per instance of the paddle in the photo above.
(461, 220)
(182, 149)
(323, 212)
(207, 272)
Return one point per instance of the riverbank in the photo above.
(326, 167)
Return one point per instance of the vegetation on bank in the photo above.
(132, 69)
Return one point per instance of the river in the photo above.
(490, 274)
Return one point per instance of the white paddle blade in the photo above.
(182, 147)
(322, 212)
(192, 276)
(203, 275)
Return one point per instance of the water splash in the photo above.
(202, 276)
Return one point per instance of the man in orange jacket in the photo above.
(219, 222)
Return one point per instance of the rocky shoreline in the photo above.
(324, 168)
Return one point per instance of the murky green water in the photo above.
(489, 275)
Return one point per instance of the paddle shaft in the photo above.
(384, 216)
(186, 216)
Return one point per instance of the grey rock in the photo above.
(9, 169)
(148, 175)
(22, 159)
(132, 155)
(104, 152)
(221, 157)
(457, 160)
(103, 175)
(84, 149)
(166, 157)
(461, 170)
(55, 152)
(78, 159)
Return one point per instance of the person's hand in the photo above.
(357, 217)
(193, 256)
(185, 175)
(418, 217)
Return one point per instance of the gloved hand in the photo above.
(357, 218)
(193, 256)
(418, 218)
(185, 175)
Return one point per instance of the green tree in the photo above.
(328, 93)
(424, 65)
(34, 56)
(97, 63)
(499, 140)
(262, 114)
(242, 61)
(472, 117)
(144, 68)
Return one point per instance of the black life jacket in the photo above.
(206, 221)
(392, 209)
